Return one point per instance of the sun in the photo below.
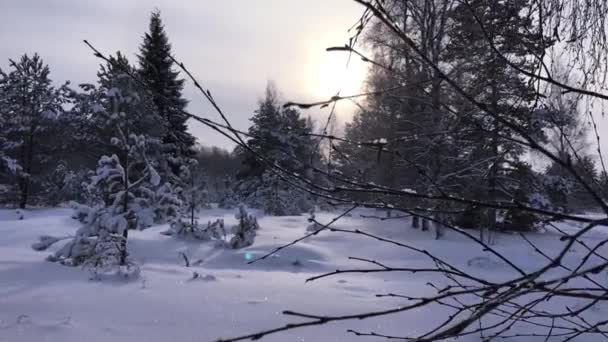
(330, 72)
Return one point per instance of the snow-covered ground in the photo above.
(43, 301)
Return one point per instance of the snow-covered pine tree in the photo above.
(7, 164)
(127, 189)
(245, 230)
(29, 107)
(156, 70)
(85, 124)
(195, 197)
(144, 118)
(283, 138)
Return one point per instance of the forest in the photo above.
(466, 198)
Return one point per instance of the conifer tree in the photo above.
(492, 81)
(30, 107)
(283, 139)
(126, 189)
(156, 69)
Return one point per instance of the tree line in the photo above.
(415, 131)
(53, 136)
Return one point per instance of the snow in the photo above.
(221, 295)
(154, 176)
(11, 164)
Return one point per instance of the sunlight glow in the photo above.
(328, 73)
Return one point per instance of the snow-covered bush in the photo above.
(244, 231)
(45, 241)
(314, 225)
(216, 230)
(194, 197)
(101, 243)
(193, 230)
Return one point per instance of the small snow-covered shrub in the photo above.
(314, 225)
(184, 229)
(81, 212)
(216, 230)
(195, 197)
(99, 243)
(244, 231)
(45, 241)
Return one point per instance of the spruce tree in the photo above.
(156, 69)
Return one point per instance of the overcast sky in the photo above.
(233, 46)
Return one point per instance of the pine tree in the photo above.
(126, 189)
(143, 116)
(406, 114)
(29, 107)
(282, 138)
(195, 197)
(8, 165)
(156, 69)
(489, 78)
(245, 230)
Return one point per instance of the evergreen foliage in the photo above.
(245, 231)
(126, 191)
(283, 139)
(30, 108)
(156, 70)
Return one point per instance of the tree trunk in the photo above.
(192, 215)
(23, 192)
(27, 159)
(415, 222)
(439, 230)
(125, 207)
(123, 247)
(493, 173)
